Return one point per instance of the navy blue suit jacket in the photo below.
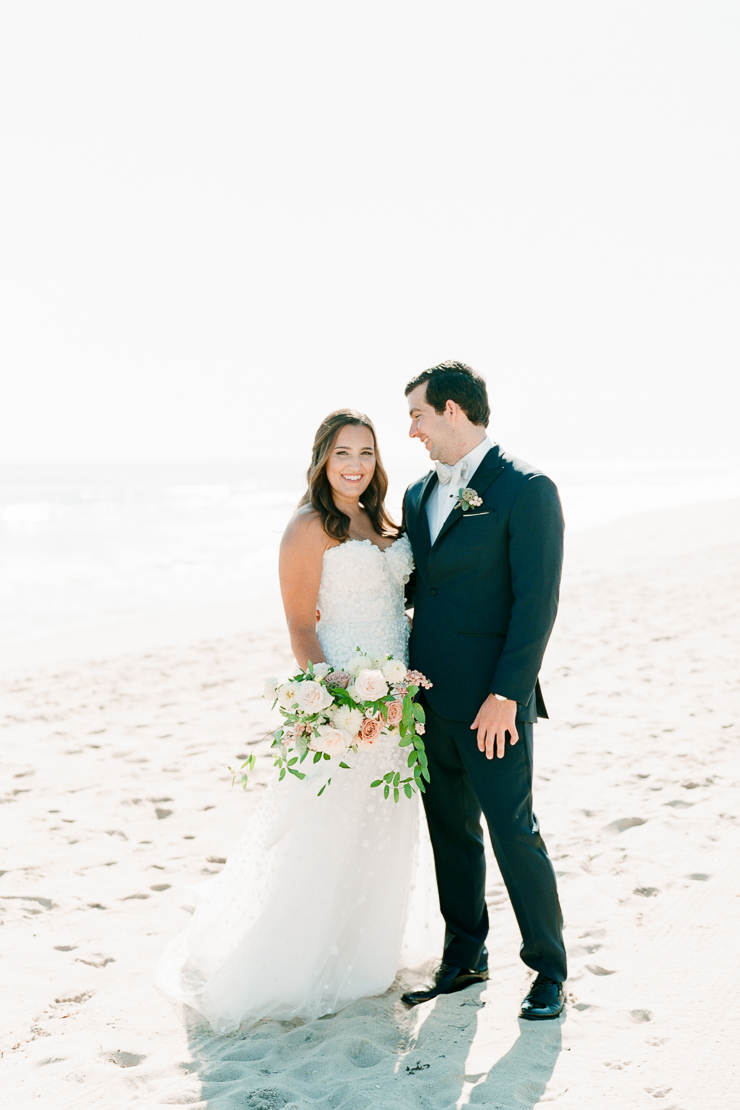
(485, 594)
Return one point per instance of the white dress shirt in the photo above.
(444, 495)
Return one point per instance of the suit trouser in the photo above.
(463, 784)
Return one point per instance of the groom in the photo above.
(485, 598)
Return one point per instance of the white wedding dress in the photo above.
(322, 899)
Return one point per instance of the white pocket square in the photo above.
(469, 516)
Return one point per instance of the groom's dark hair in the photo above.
(454, 381)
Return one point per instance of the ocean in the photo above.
(84, 545)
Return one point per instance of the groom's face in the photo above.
(433, 428)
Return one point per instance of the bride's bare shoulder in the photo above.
(305, 529)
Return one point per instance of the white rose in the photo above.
(271, 688)
(333, 741)
(394, 670)
(321, 670)
(371, 685)
(312, 697)
(287, 696)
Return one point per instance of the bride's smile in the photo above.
(351, 464)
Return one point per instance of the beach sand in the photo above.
(117, 795)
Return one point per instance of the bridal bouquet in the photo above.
(337, 714)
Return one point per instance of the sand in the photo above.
(117, 795)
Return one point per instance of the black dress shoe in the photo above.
(447, 980)
(545, 1000)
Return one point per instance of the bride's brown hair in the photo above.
(319, 493)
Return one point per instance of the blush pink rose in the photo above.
(369, 733)
(370, 685)
(394, 712)
(333, 741)
(312, 697)
(339, 678)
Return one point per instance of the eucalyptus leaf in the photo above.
(376, 783)
(395, 794)
(407, 789)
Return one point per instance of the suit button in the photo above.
(433, 591)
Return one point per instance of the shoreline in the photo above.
(635, 540)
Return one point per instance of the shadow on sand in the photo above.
(374, 1054)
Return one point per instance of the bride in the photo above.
(323, 899)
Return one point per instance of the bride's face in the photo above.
(351, 463)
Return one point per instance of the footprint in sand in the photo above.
(123, 1059)
(625, 823)
(96, 960)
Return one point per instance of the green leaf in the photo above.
(293, 760)
(408, 789)
(404, 743)
(316, 757)
(298, 774)
(282, 774)
(323, 788)
(412, 758)
(396, 778)
(346, 766)
(395, 794)
(413, 690)
(326, 755)
(425, 773)
(419, 713)
(376, 783)
(421, 786)
(386, 790)
(388, 777)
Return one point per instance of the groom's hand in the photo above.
(495, 718)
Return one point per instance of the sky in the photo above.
(220, 221)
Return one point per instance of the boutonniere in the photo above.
(467, 499)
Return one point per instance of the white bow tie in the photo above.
(457, 473)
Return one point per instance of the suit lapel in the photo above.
(489, 470)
